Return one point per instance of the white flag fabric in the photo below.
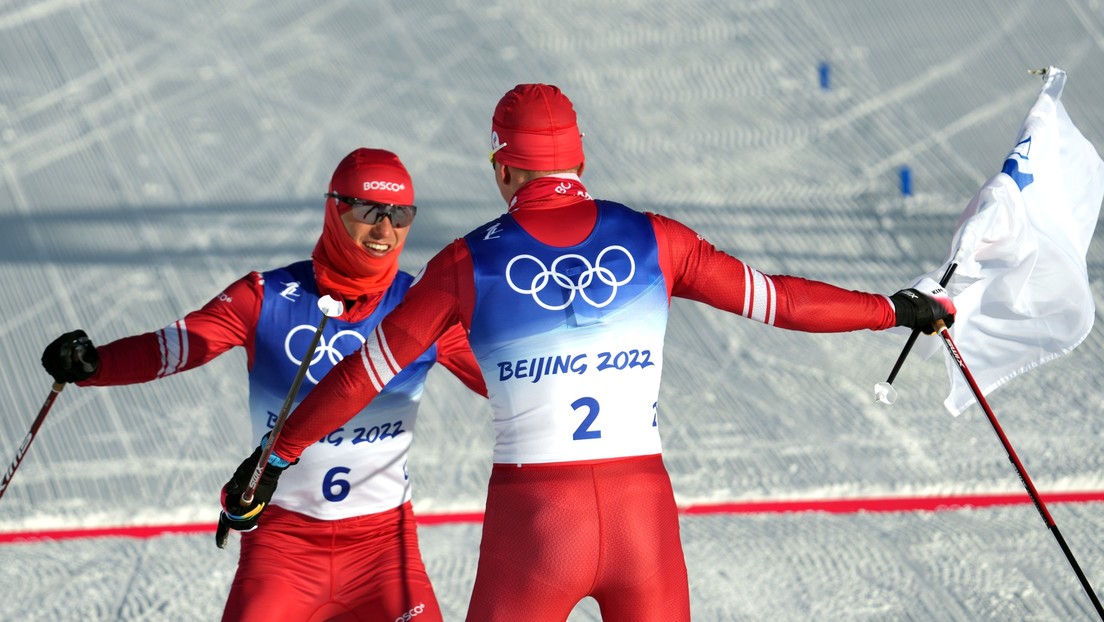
(1021, 286)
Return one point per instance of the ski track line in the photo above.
(829, 506)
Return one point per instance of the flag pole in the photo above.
(1020, 470)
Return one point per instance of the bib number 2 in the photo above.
(589, 407)
(584, 431)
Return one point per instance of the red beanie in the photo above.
(374, 175)
(534, 128)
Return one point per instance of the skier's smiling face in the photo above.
(379, 239)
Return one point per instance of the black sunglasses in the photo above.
(371, 212)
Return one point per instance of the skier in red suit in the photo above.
(339, 540)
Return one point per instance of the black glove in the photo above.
(244, 518)
(921, 307)
(71, 357)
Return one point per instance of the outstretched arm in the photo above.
(696, 270)
(226, 321)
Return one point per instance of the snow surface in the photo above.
(151, 153)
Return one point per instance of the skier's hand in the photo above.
(922, 306)
(71, 357)
(244, 517)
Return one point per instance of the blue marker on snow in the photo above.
(906, 181)
(825, 75)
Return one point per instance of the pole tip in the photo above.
(884, 393)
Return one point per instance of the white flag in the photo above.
(1021, 287)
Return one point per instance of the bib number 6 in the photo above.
(334, 488)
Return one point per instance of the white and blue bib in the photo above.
(570, 340)
(359, 468)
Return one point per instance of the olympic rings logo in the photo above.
(586, 276)
(325, 348)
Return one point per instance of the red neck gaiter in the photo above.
(557, 210)
(342, 268)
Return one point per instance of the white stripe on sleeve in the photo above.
(378, 360)
(759, 296)
(173, 343)
(773, 301)
(162, 350)
(748, 288)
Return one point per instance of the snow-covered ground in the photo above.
(152, 153)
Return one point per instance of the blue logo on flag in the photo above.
(1016, 159)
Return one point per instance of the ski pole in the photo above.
(10, 473)
(1024, 479)
(330, 308)
(884, 391)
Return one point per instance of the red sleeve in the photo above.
(440, 298)
(228, 320)
(456, 355)
(696, 270)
